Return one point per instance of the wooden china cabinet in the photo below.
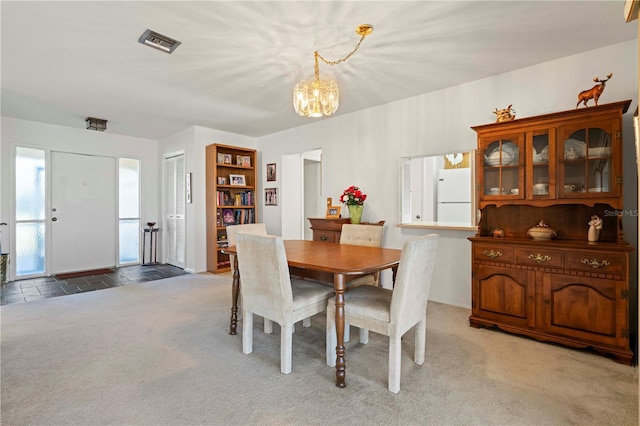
(561, 168)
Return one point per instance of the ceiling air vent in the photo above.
(159, 41)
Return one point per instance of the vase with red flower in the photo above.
(354, 198)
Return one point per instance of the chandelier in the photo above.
(318, 97)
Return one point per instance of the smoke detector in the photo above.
(159, 41)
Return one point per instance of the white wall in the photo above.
(364, 148)
(66, 139)
(192, 142)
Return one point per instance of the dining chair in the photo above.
(392, 312)
(246, 228)
(362, 235)
(268, 291)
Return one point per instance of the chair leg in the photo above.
(268, 326)
(286, 340)
(247, 332)
(395, 345)
(420, 341)
(331, 340)
(364, 336)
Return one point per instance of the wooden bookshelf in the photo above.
(231, 174)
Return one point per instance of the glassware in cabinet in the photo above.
(542, 161)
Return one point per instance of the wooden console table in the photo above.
(329, 230)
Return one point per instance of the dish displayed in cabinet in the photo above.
(542, 156)
(574, 149)
(603, 151)
(510, 155)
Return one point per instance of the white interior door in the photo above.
(83, 212)
(175, 209)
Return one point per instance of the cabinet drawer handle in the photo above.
(539, 257)
(323, 238)
(595, 264)
(492, 254)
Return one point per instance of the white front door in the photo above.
(175, 209)
(83, 212)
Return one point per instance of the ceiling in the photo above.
(239, 61)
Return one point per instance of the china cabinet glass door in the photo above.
(587, 162)
(503, 174)
(542, 157)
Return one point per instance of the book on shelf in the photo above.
(245, 198)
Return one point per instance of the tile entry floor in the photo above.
(28, 290)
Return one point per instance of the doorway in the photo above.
(302, 180)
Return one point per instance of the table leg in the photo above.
(235, 291)
(341, 370)
(394, 270)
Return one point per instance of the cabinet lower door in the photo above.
(504, 295)
(585, 308)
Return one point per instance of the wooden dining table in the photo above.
(317, 259)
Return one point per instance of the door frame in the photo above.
(10, 229)
(163, 201)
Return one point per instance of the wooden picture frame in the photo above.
(227, 200)
(271, 172)
(333, 212)
(228, 217)
(237, 180)
(271, 196)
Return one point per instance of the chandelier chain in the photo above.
(339, 61)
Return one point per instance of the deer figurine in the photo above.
(594, 92)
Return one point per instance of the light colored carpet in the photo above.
(160, 353)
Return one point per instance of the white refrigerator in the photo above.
(454, 196)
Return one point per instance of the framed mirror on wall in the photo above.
(437, 191)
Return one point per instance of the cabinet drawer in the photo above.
(493, 253)
(326, 236)
(540, 257)
(598, 262)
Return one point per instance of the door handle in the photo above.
(54, 219)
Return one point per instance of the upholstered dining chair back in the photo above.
(361, 235)
(268, 290)
(248, 228)
(413, 282)
(265, 281)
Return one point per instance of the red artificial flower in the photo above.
(353, 196)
